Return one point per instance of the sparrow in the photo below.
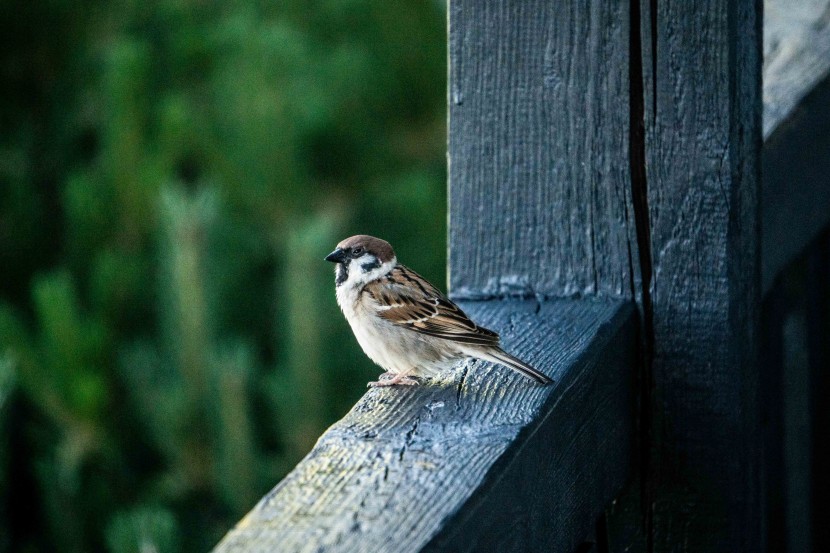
(404, 323)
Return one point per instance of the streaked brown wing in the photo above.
(406, 299)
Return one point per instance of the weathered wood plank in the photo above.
(703, 138)
(515, 466)
(538, 148)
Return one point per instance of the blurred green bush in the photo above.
(171, 175)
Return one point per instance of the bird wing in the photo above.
(405, 298)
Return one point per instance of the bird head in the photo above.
(360, 259)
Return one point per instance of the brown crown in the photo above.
(379, 248)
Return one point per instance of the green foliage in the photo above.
(171, 176)
(7, 387)
(143, 530)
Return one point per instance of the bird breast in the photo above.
(395, 348)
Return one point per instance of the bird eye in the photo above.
(358, 251)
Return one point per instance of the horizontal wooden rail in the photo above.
(480, 461)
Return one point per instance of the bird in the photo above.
(405, 324)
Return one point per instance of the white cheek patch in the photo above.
(367, 268)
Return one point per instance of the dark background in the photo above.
(171, 175)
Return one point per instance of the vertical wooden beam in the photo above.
(538, 159)
(703, 138)
(540, 189)
(543, 102)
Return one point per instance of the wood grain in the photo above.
(538, 149)
(481, 458)
(703, 144)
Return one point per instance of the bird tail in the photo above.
(498, 355)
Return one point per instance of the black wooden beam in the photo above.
(539, 162)
(538, 148)
(480, 461)
(703, 142)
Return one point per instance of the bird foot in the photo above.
(390, 379)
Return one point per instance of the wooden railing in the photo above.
(406, 469)
(610, 155)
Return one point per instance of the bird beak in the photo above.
(337, 256)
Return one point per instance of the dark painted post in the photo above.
(561, 113)
(538, 157)
(703, 141)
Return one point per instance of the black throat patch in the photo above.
(341, 274)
